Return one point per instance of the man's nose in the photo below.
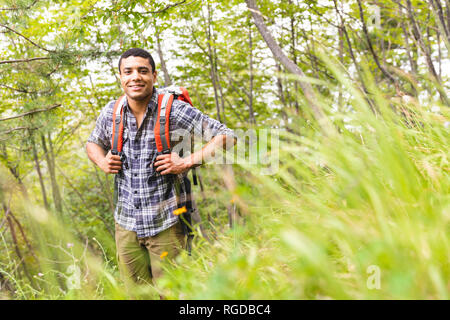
(135, 75)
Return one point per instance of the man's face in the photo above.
(137, 78)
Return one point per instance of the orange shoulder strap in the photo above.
(161, 130)
(117, 129)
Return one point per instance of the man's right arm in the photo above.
(99, 142)
(108, 162)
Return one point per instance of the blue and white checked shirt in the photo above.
(145, 198)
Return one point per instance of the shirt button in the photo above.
(135, 157)
(135, 174)
(137, 207)
(135, 192)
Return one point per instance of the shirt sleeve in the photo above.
(193, 120)
(101, 134)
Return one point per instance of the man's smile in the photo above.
(136, 86)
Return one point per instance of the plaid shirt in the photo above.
(146, 199)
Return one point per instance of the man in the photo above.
(147, 230)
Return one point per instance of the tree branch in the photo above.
(21, 35)
(18, 128)
(417, 36)
(168, 7)
(31, 112)
(47, 92)
(16, 8)
(14, 89)
(445, 30)
(369, 43)
(24, 60)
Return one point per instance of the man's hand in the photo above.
(171, 163)
(111, 163)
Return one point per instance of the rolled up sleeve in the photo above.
(193, 120)
(101, 134)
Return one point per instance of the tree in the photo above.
(279, 55)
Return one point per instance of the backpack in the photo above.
(162, 139)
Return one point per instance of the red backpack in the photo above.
(161, 130)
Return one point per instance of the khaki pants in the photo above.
(140, 260)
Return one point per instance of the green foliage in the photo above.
(370, 191)
(338, 205)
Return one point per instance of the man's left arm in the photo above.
(191, 119)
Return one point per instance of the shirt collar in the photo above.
(152, 104)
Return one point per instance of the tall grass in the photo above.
(361, 212)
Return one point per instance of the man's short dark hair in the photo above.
(138, 52)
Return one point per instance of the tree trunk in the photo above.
(167, 80)
(352, 56)
(53, 160)
(38, 169)
(419, 38)
(294, 59)
(439, 15)
(252, 119)
(409, 49)
(280, 86)
(288, 63)
(341, 59)
(211, 63)
(370, 46)
(438, 35)
(219, 86)
(283, 112)
(49, 157)
(17, 247)
(216, 70)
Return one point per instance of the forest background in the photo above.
(357, 92)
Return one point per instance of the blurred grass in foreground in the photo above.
(371, 194)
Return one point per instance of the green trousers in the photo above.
(140, 260)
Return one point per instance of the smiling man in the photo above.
(147, 230)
